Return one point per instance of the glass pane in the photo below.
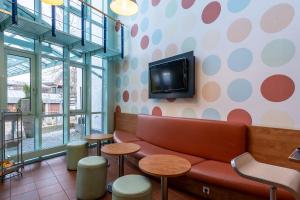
(52, 50)
(76, 4)
(97, 34)
(75, 25)
(28, 133)
(77, 127)
(75, 88)
(47, 15)
(76, 58)
(96, 90)
(18, 83)
(12, 130)
(29, 5)
(52, 86)
(96, 123)
(96, 16)
(52, 132)
(19, 42)
(96, 61)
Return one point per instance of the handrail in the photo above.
(103, 13)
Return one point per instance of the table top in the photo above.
(164, 165)
(120, 148)
(99, 137)
(295, 156)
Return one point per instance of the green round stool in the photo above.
(91, 177)
(75, 151)
(132, 187)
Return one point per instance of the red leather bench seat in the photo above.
(214, 140)
(122, 136)
(222, 174)
(208, 145)
(150, 149)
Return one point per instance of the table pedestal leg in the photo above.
(109, 186)
(273, 193)
(121, 171)
(164, 188)
(98, 148)
(121, 165)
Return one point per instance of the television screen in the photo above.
(172, 77)
(169, 77)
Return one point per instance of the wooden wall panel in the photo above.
(273, 145)
(125, 122)
(269, 145)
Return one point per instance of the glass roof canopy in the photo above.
(28, 30)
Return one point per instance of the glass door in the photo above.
(52, 102)
(20, 96)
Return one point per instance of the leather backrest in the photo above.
(215, 140)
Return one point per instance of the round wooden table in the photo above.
(164, 166)
(120, 149)
(99, 138)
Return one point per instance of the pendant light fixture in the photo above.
(54, 2)
(124, 7)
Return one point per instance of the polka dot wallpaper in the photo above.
(247, 59)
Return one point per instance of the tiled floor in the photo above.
(50, 180)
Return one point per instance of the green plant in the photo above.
(26, 90)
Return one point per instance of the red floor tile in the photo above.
(50, 190)
(32, 195)
(22, 189)
(58, 196)
(46, 182)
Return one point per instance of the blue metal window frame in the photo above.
(37, 55)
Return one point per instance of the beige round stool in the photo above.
(132, 187)
(91, 177)
(75, 151)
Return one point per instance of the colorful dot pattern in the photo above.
(247, 68)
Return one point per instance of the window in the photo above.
(52, 102)
(39, 89)
(28, 134)
(96, 90)
(96, 123)
(75, 25)
(77, 127)
(96, 101)
(96, 35)
(95, 15)
(19, 42)
(76, 57)
(52, 86)
(76, 91)
(18, 83)
(47, 15)
(52, 131)
(75, 4)
(29, 5)
(52, 50)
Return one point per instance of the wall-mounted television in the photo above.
(173, 77)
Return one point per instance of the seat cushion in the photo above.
(213, 140)
(132, 186)
(92, 162)
(150, 149)
(122, 136)
(222, 174)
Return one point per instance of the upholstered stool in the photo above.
(75, 151)
(131, 187)
(91, 177)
